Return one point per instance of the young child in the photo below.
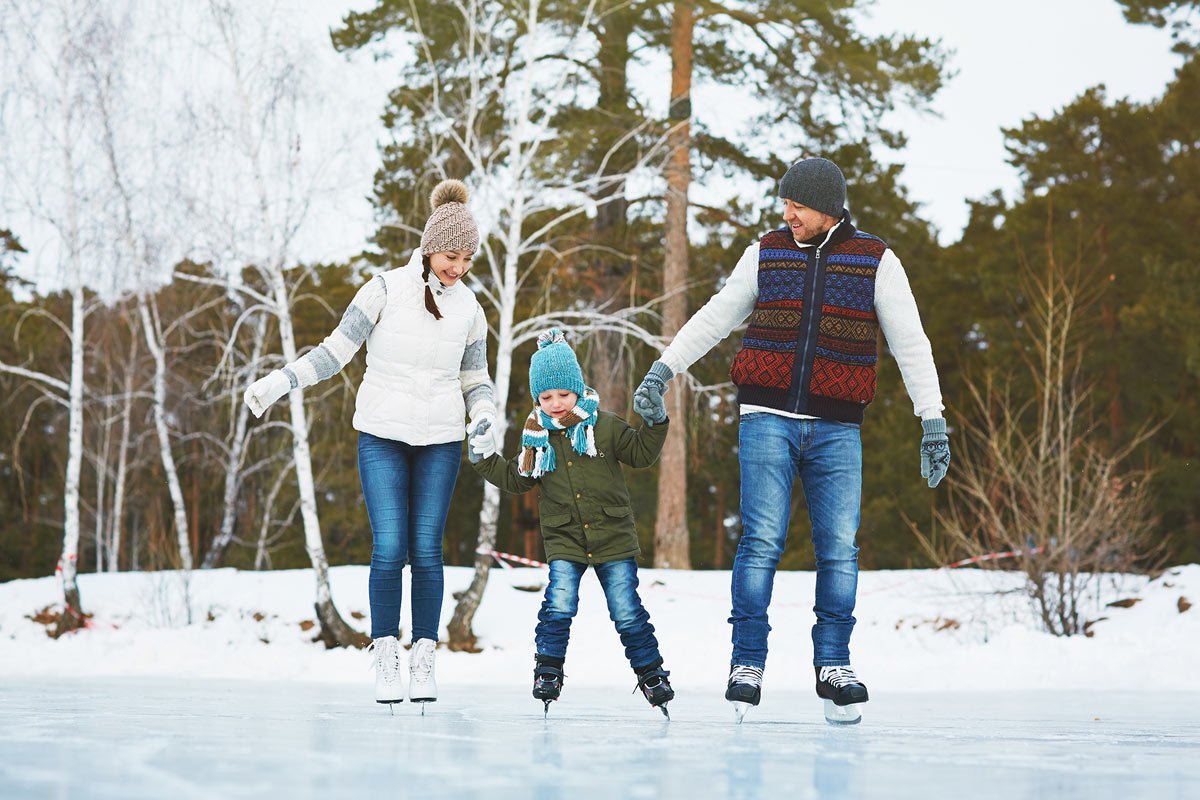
(574, 452)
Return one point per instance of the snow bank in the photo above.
(917, 630)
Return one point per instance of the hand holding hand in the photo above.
(648, 397)
(481, 439)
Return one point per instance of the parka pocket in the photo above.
(618, 511)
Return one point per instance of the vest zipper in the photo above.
(805, 376)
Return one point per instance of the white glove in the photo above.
(481, 438)
(265, 391)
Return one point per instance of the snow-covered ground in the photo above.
(919, 630)
(968, 698)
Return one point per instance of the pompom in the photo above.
(448, 191)
(552, 336)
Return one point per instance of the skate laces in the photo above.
(422, 659)
(839, 676)
(386, 658)
(746, 674)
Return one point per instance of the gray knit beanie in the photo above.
(816, 183)
(450, 226)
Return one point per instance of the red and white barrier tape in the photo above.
(503, 558)
(993, 556)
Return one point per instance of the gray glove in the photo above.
(935, 451)
(648, 397)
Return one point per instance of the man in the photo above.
(816, 291)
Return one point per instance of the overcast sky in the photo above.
(1013, 60)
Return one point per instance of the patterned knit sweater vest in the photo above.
(810, 347)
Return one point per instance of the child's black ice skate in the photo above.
(547, 683)
(843, 693)
(744, 688)
(656, 688)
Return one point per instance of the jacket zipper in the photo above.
(805, 378)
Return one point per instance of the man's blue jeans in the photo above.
(619, 580)
(407, 490)
(827, 456)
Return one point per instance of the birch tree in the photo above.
(142, 219)
(476, 105)
(255, 117)
(53, 174)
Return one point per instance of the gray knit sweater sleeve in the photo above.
(478, 393)
(328, 358)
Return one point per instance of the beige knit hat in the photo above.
(450, 226)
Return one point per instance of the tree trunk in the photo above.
(719, 542)
(72, 616)
(671, 536)
(174, 489)
(118, 509)
(606, 368)
(333, 630)
(461, 636)
(233, 465)
(101, 466)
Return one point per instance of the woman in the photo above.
(426, 338)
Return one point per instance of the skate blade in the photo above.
(740, 709)
(667, 714)
(546, 709)
(843, 715)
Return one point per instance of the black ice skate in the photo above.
(656, 688)
(744, 688)
(843, 693)
(547, 682)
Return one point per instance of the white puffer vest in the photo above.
(411, 390)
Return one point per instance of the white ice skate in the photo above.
(422, 688)
(389, 688)
(844, 694)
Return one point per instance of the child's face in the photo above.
(557, 402)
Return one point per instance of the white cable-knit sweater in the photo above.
(895, 307)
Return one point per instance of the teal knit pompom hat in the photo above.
(554, 365)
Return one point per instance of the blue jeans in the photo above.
(827, 455)
(407, 490)
(619, 580)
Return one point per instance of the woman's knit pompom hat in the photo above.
(450, 226)
(554, 366)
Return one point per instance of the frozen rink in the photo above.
(155, 738)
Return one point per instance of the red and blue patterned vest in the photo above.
(810, 347)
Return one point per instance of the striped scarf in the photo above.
(537, 456)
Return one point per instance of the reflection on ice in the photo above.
(153, 738)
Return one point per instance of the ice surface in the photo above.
(142, 738)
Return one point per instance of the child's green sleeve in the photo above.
(503, 474)
(639, 447)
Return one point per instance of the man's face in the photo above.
(805, 222)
